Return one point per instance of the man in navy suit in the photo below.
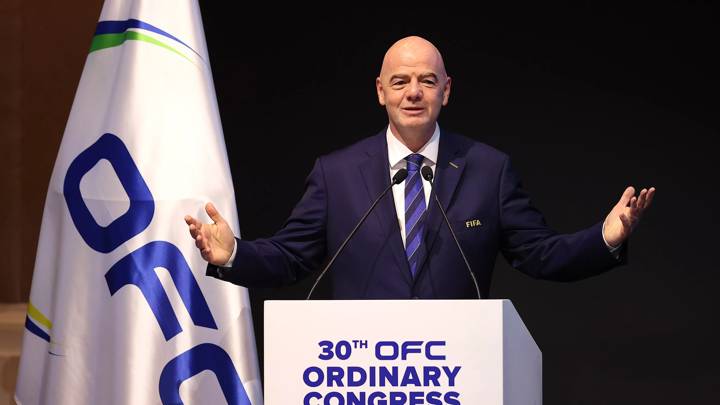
(404, 249)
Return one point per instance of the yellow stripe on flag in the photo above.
(38, 316)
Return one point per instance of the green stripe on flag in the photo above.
(103, 41)
(38, 316)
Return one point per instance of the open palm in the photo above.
(216, 240)
(626, 214)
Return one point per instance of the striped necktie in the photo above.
(414, 211)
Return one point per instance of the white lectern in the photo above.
(399, 352)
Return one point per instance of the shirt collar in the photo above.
(397, 151)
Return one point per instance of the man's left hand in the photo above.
(626, 214)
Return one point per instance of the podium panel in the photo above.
(399, 352)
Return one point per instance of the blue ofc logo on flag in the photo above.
(137, 269)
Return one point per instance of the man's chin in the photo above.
(416, 130)
(415, 122)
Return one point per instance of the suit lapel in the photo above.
(375, 171)
(448, 171)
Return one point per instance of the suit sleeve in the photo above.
(293, 252)
(530, 246)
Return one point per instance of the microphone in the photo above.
(427, 174)
(398, 178)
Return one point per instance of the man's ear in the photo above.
(446, 91)
(380, 92)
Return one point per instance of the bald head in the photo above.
(410, 51)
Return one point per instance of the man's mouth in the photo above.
(413, 110)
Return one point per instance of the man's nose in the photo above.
(414, 92)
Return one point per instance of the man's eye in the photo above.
(429, 82)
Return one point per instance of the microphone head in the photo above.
(400, 176)
(427, 173)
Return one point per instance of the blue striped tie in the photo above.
(414, 211)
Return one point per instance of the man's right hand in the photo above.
(215, 241)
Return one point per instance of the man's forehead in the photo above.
(413, 71)
(413, 59)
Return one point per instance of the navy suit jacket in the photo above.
(473, 181)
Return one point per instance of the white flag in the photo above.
(120, 310)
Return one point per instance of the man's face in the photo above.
(413, 86)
